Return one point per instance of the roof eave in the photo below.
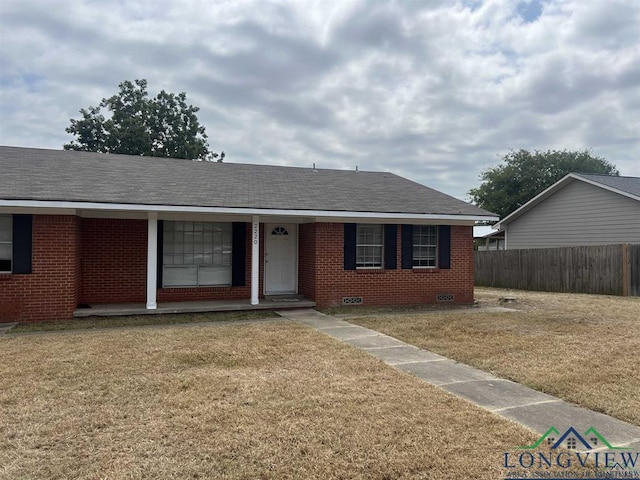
(321, 214)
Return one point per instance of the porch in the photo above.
(269, 303)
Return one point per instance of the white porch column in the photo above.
(152, 260)
(255, 259)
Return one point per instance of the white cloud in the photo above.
(434, 93)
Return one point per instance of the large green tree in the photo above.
(523, 174)
(163, 126)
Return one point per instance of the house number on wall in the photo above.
(256, 233)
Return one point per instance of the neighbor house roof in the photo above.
(37, 175)
(626, 186)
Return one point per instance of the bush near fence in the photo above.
(605, 269)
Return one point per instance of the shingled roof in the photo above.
(69, 176)
(622, 184)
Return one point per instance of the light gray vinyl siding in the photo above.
(578, 214)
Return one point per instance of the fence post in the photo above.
(626, 278)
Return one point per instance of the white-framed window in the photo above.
(425, 246)
(369, 246)
(6, 243)
(196, 254)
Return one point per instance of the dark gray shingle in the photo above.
(624, 184)
(59, 175)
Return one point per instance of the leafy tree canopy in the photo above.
(523, 174)
(164, 126)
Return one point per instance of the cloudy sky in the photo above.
(436, 91)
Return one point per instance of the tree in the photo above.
(164, 126)
(523, 175)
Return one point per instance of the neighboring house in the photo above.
(87, 228)
(487, 238)
(579, 209)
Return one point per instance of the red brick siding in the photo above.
(114, 260)
(104, 261)
(389, 287)
(307, 260)
(52, 290)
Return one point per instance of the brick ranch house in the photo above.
(80, 228)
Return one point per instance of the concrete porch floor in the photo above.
(112, 310)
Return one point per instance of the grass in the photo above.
(264, 401)
(581, 348)
(139, 320)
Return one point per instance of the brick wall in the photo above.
(52, 290)
(113, 260)
(104, 261)
(386, 287)
(307, 260)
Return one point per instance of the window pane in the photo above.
(5, 251)
(369, 245)
(425, 240)
(195, 246)
(179, 276)
(6, 228)
(377, 234)
(214, 275)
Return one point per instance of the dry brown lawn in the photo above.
(261, 401)
(582, 348)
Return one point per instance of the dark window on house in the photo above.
(196, 254)
(425, 246)
(6, 243)
(571, 443)
(369, 246)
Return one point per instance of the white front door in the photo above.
(280, 258)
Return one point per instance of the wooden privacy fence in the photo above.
(606, 269)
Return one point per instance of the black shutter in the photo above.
(407, 246)
(350, 246)
(390, 246)
(22, 243)
(238, 254)
(160, 253)
(444, 246)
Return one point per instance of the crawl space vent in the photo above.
(445, 297)
(352, 300)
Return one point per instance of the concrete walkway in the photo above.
(535, 410)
